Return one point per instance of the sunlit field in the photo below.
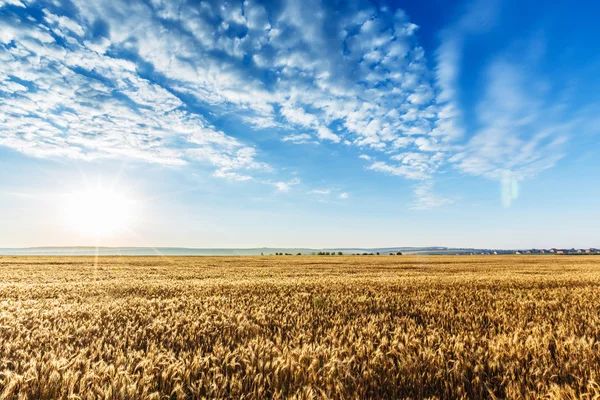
(305, 327)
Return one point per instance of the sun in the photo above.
(98, 211)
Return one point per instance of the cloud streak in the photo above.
(521, 118)
(426, 199)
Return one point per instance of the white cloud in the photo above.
(352, 75)
(285, 187)
(325, 133)
(63, 25)
(522, 132)
(298, 138)
(427, 144)
(16, 3)
(411, 165)
(320, 191)
(319, 80)
(426, 199)
(406, 171)
(79, 103)
(327, 192)
(367, 86)
(479, 17)
(403, 142)
(234, 176)
(522, 120)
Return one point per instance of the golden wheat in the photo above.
(302, 327)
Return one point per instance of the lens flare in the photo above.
(509, 189)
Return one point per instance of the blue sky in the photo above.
(316, 123)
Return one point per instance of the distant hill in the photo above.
(176, 251)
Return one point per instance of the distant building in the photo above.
(552, 251)
(560, 251)
(517, 252)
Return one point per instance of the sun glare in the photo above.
(98, 211)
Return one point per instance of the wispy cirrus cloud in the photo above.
(522, 133)
(320, 191)
(426, 198)
(300, 138)
(329, 193)
(522, 118)
(411, 165)
(284, 186)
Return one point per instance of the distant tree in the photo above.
(377, 253)
(399, 253)
(340, 253)
(299, 254)
(261, 254)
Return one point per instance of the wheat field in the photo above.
(301, 327)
